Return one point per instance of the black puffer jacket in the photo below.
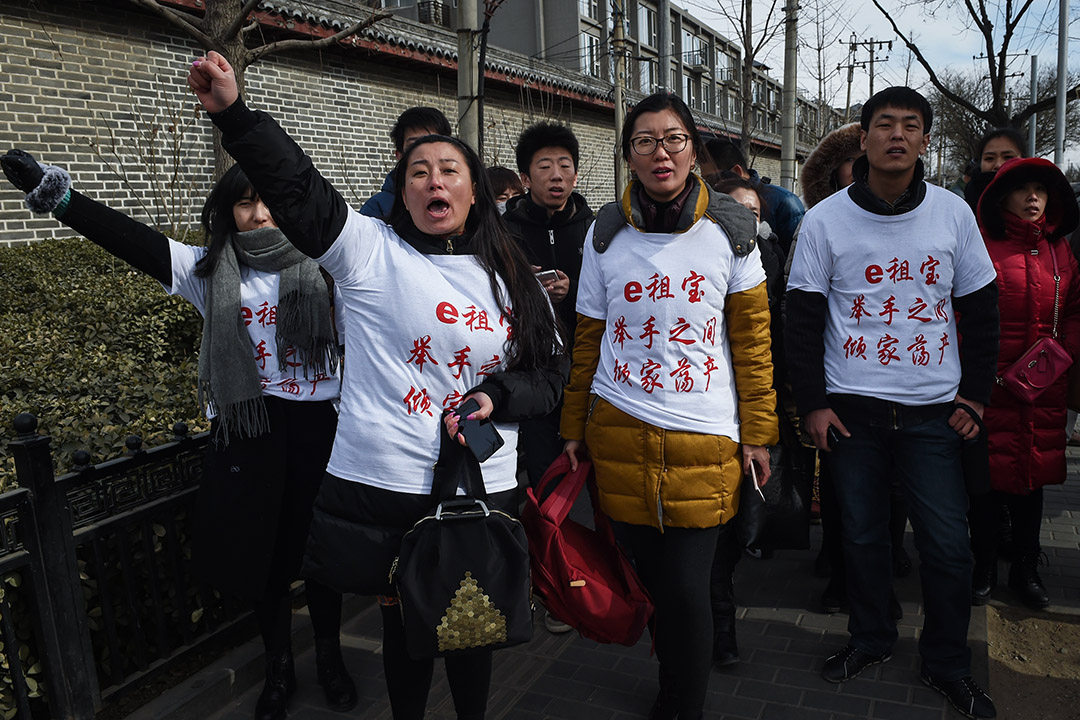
(553, 243)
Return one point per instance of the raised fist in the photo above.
(22, 170)
(214, 82)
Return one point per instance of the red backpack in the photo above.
(580, 574)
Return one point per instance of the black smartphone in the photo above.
(834, 437)
(481, 437)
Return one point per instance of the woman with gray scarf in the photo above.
(268, 381)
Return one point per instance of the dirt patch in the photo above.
(1034, 664)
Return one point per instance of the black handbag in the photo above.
(462, 574)
(781, 519)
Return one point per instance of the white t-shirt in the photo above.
(889, 280)
(258, 306)
(420, 331)
(664, 356)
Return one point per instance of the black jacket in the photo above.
(553, 243)
(312, 215)
(807, 312)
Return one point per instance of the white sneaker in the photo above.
(555, 626)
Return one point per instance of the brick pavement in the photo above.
(782, 641)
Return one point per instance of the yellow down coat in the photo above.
(647, 475)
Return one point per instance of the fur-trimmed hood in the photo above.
(817, 172)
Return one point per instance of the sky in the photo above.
(944, 38)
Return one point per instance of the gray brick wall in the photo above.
(72, 72)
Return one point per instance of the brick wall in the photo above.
(73, 72)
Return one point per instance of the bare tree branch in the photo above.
(181, 21)
(934, 79)
(1043, 105)
(297, 44)
(234, 27)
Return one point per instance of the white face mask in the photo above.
(501, 206)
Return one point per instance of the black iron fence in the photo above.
(95, 585)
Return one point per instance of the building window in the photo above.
(693, 50)
(590, 55)
(674, 38)
(646, 17)
(690, 94)
(647, 75)
(725, 66)
(589, 8)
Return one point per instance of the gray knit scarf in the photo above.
(228, 377)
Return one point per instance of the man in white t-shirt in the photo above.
(889, 282)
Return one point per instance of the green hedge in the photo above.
(96, 350)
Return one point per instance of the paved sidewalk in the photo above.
(782, 642)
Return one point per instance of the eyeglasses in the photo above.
(645, 145)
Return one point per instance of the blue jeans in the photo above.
(924, 455)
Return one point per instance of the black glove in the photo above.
(22, 170)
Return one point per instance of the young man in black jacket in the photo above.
(890, 281)
(550, 221)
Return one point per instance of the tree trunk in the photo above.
(746, 130)
(219, 16)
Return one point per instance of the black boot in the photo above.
(725, 650)
(1025, 581)
(333, 677)
(666, 705)
(280, 684)
(983, 579)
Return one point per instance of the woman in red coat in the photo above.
(1024, 214)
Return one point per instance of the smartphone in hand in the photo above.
(544, 275)
(481, 437)
(833, 436)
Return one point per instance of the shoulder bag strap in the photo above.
(1057, 286)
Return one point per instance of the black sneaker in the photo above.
(964, 694)
(849, 662)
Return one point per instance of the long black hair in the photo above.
(534, 341)
(217, 215)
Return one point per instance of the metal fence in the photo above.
(95, 583)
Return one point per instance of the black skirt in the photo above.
(254, 505)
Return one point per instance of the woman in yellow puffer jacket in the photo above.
(671, 388)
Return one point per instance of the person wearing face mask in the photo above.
(440, 307)
(505, 184)
(266, 379)
(671, 387)
(1025, 214)
(995, 148)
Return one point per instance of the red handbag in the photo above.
(1041, 364)
(580, 574)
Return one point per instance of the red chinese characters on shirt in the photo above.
(918, 309)
(691, 284)
(929, 270)
(460, 361)
(489, 367)
(619, 333)
(650, 376)
(261, 354)
(855, 347)
(622, 373)
(683, 382)
(886, 349)
(265, 314)
(417, 401)
(679, 332)
(649, 326)
(659, 287)
(421, 353)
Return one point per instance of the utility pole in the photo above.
(468, 117)
(1034, 99)
(663, 41)
(1062, 76)
(618, 42)
(787, 121)
(873, 46)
